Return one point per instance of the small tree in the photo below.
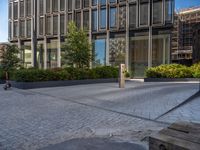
(10, 59)
(77, 50)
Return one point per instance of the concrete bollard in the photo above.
(121, 76)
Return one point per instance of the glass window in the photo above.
(102, 19)
(78, 19)
(168, 10)
(144, 12)
(28, 7)
(157, 12)
(70, 17)
(28, 28)
(86, 20)
(99, 52)
(22, 28)
(62, 24)
(77, 4)
(113, 17)
(94, 20)
(10, 10)
(21, 8)
(48, 5)
(138, 55)
(112, 1)
(41, 6)
(15, 10)
(41, 23)
(102, 2)
(117, 48)
(62, 5)
(52, 55)
(69, 5)
(27, 54)
(94, 2)
(86, 3)
(55, 5)
(55, 25)
(48, 25)
(10, 30)
(122, 17)
(15, 29)
(132, 16)
(160, 50)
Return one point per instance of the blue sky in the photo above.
(4, 14)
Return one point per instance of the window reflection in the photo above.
(99, 52)
(144, 12)
(103, 18)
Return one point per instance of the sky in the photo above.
(4, 14)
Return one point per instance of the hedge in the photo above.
(35, 75)
(169, 71)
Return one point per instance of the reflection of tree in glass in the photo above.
(117, 51)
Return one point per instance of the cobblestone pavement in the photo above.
(36, 118)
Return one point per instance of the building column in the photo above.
(107, 48)
(90, 30)
(59, 39)
(45, 53)
(164, 50)
(150, 48)
(127, 37)
(32, 42)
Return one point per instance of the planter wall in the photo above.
(45, 84)
(170, 79)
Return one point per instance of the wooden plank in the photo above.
(171, 143)
(181, 135)
(193, 128)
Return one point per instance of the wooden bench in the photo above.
(178, 136)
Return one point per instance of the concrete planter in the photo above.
(170, 79)
(45, 84)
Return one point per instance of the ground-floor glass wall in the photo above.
(52, 54)
(99, 50)
(160, 49)
(117, 51)
(26, 54)
(138, 55)
(40, 54)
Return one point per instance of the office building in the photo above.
(134, 32)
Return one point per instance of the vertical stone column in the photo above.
(45, 52)
(127, 37)
(150, 47)
(107, 48)
(59, 39)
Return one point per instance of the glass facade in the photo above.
(115, 39)
(117, 48)
(138, 55)
(27, 54)
(99, 47)
(102, 19)
(52, 54)
(113, 17)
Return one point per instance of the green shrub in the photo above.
(195, 69)
(34, 75)
(169, 71)
(106, 72)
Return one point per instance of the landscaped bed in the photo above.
(40, 78)
(173, 72)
